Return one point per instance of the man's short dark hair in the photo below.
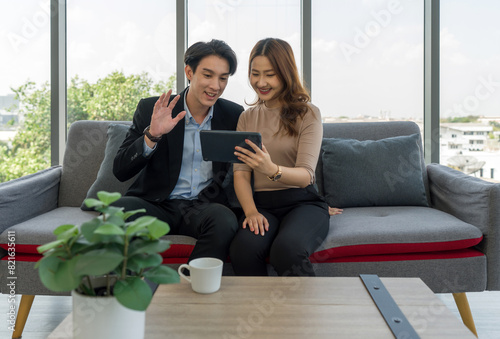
(201, 49)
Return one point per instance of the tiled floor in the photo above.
(48, 311)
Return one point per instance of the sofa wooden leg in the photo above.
(465, 313)
(22, 315)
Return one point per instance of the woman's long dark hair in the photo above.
(294, 97)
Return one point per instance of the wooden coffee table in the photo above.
(290, 307)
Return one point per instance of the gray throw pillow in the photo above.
(106, 180)
(386, 172)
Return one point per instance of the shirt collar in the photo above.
(189, 116)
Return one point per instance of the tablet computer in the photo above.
(219, 145)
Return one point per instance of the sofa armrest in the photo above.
(474, 201)
(29, 196)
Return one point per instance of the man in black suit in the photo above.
(163, 146)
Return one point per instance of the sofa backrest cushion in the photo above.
(369, 131)
(82, 159)
(86, 145)
(106, 180)
(385, 172)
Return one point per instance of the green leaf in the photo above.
(59, 252)
(108, 198)
(93, 203)
(65, 232)
(82, 246)
(113, 211)
(148, 246)
(58, 275)
(128, 214)
(141, 261)
(115, 219)
(133, 293)
(98, 262)
(63, 228)
(142, 221)
(139, 224)
(162, 275)
(89, 227)
(133, 229)
(66, 276)
(50, 245)
(158, 229)
(109, 229)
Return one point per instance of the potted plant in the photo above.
(106, 259)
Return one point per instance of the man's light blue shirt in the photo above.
(195, 174)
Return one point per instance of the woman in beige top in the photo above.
(284, 219)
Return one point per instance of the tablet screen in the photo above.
(219, 145)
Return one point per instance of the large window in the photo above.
(367, 64)
(368, 59)
(24, 88)
(118, 52)
(241, 24)
(470, 86)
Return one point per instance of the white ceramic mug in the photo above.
(205, 274)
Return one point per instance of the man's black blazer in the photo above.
(159, 173)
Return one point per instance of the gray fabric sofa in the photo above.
(401, 218)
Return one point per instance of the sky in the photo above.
(367, 54)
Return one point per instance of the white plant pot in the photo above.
(104, 317)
